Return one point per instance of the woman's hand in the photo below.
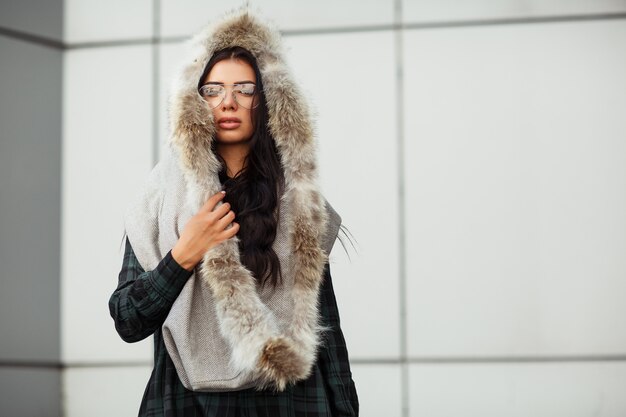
(205, 230)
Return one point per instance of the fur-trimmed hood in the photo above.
(271, 346)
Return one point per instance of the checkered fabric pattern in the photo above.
(140, 304)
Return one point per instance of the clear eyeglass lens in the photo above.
(244, 94)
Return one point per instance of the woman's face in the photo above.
(233, 121)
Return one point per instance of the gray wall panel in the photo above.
(37, 17)
(420, 11)
(30, 392)
(30, 185)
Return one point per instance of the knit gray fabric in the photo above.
(191, 332)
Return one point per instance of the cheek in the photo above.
(250, 121)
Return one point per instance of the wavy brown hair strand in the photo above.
(254, 193)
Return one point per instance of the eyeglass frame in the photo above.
(232, 92)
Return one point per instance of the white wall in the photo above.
(479, 163)
(515, 200)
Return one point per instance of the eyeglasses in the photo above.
(244, 94)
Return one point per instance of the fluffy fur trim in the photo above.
(258, 347)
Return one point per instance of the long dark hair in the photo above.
(254, 194)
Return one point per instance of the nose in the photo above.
(229, 101)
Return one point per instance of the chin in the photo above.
(232, 139)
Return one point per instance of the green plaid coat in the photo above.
(139, 306)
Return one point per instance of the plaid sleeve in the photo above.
(141, 301)
(333, 358)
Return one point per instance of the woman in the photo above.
(227, 245)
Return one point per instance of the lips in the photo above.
(229, 122)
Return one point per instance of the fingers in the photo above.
(221, 217)
(213, 200)
(228, 233)
(225, 220)
(220, 212)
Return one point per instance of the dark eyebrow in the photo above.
(236, 82)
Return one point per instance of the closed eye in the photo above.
(245, 89)
(211, 90)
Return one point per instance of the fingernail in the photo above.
(223, 192)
